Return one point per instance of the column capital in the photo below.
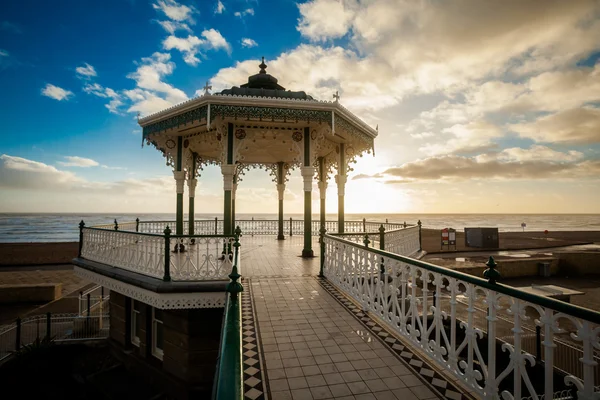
(307, 174)
(228, 170)
(280, 190)
(192, 186)
(179, 180)
(341, 184)
(322, 189)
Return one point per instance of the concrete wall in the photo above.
(579, 262)
(516, 268)
(30, 293)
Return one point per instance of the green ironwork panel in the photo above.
(197, 114)
(352, 130)
(269, 113)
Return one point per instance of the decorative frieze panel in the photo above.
(198, 114)
(268, 114)
(162, 301)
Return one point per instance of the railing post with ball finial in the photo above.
(81, 226)
(167, 275)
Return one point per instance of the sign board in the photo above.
(445, 237)
(452, 237)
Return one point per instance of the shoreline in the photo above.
(22, 254)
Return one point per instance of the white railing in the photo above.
(195, 258)
(403, 241)
(94, 299)
(204, 258)
(455, 319)
(137, 252)
(63, 327)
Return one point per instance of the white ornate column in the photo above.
(307, 175)
(341, 178)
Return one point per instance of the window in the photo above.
(136, 324)
(157, 333)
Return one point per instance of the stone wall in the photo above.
(579, 262)
(30, 293)
(515, 268)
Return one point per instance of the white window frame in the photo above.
(156, 352)
(135, 317)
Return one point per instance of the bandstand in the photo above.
(366, 318)
(259, 125)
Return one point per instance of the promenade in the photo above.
(304, 340)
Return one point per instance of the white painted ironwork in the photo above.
(403, 241)
(163, 301)
(456, 320)
(141, 253)
(204, 258)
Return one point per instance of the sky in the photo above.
(482, 107)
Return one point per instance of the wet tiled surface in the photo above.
(314, 348)
(266, 256)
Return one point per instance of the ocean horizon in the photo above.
(63, 227)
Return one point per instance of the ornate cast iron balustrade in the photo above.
(159, 256)
(457, 320)
(403, 241)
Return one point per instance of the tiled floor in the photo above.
(310, 346)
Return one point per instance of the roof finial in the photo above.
(262, 66)
(377, 128)
(336, 96)
(138, 116)
(206, 88)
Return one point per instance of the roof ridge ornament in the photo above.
(336, 96)
(206, 88)
(262, 67)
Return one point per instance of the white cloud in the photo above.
(175, 11)
(75, 161)
(192, 45)
(422, 135)
(3, 53)
(172, 26)
(242, 14)
(220, 7)
(136, 131)
(147, 97)
(477, 135)
(86, 71)
(325, 19)
(56, 93)
(247, 42)
(97, 90)
(579, 126)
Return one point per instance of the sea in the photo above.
(16, 228)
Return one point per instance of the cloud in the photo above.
(86, 72)
(3, 53)
(10, 27)
(100, 91)
(325, 19)
(247, 42)
(56, 93)
(242, 14)
(173, 26)
(422, 135)
(192, 45)
(21, 173)
(511, 164)
(474, 136)
(220, 7)
(152, 94)
(575, 126)
(75, 161)
(175, 11)
(136, 131)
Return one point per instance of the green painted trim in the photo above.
(322, 179)
(227, 226)
(230, 143)
(556, 305)
(232, 212)
(280, 178)
(307, 147)
(230, 382)
(179, 215)
(197, 114)
(191, 217)
(307, 251)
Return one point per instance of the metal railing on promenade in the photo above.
(93, 301)
(55, 327)
(229, 381)
(457, 319)
(163, 256)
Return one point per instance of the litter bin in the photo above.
(544, 269)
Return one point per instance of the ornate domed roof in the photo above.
(265, 85)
